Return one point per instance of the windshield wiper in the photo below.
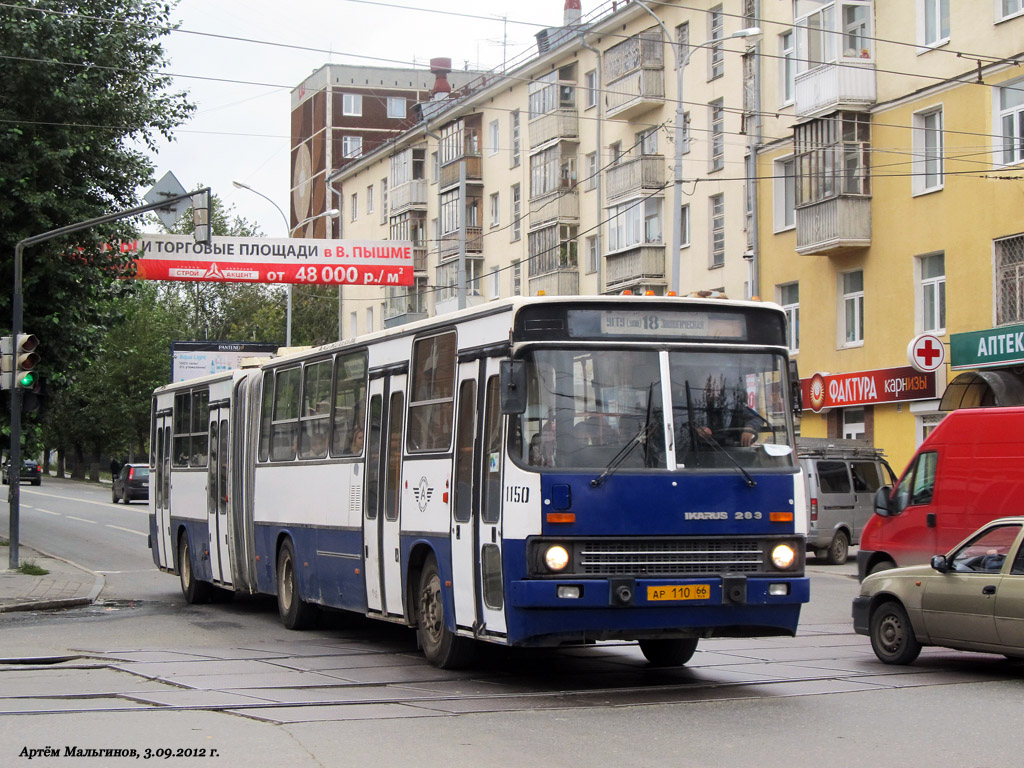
(640, 438)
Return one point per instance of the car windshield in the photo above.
(587, 409)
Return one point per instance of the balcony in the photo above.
(635, 94)
(450, 242)
(562, 206)
(403, 307)
(641, 174)
(450, 172)
(834, 226)
(832, 87)
(419, 258)
(562, 123)
(642, 263)
(411, 194)
(561, 282)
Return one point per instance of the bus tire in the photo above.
(669, 653)
(196, 592)
(442, 647)
(295, 612)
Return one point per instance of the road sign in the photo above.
(926, 352)
(168, 186)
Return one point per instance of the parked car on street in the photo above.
(971, 599)
(30, 472)
(132, 482)
(841, 478)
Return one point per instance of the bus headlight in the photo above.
(783, 556)
(556, 558)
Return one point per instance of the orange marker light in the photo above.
(561, 517)
(781, 517)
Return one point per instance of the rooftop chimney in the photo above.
(571, 14)
(440, 68)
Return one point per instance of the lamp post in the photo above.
(677, 214)
(290, 231)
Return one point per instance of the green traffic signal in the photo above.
(27, 380)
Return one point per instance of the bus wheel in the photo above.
(440, 645)
(195, 591)
(669, 653)
(295, 613)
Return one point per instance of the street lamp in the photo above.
(290, 231)
(677, 214)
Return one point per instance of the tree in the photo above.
(81, 99)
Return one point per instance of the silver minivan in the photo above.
(841, 478)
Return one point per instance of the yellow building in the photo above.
(892, 208)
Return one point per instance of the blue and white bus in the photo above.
(531, 472)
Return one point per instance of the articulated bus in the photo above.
(531, 472)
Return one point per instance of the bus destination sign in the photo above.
(663, 323)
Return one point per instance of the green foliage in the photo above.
(81, 98)
(29, 568)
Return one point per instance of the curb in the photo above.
(68, 602)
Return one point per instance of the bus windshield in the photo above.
(588, 409)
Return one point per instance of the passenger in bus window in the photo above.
(714, 414)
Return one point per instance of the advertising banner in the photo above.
(192, 359)
(992, 348)
(302, 261)
(886, 385)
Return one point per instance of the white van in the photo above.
(841, 478)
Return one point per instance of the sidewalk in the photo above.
(65, 585)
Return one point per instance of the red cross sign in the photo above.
(926, 352)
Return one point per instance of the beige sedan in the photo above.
(971, 599)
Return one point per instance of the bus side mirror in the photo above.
(883, 502)
(513, 387)
(796, 394)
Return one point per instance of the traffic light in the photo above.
(26, 360)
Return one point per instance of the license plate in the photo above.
(684, 592)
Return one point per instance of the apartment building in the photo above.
(558, 174)
(890, 208)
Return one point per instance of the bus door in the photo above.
(492, 454)
(218, 494)
(160, 486)
(391, 518)
(465, 505)
(371, 497)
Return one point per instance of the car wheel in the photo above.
(125, 497)
(839, 550)
(196, 592)
(295, 612)
(113, 496)
(881, 565)
(442, 647)
(669, 653)
(892, 635)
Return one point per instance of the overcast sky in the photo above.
(241, 126)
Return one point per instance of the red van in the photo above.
(968, 471)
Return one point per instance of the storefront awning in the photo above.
(981, 389)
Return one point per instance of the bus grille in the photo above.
(670, 557)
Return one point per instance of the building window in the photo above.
(351, 146)
(592, 171)
(716, 56)
(435, 167)
(826, 21)
(517, 277)
(396, 107)
(353, 324)
(634, 223)
(647, 141)
(492, 137)
(515, 144)
(854, 424)
(369, 319)
(1008, 8)
(351, 105)
(552, 248)
(684, 226)
(495, 283)
(1011, 117)
(517, 205)
(552, 91)
(369, 199)
(592, 255)
(716, 211)
(932, 293)
(383, 201)
(787, 66)
(1010, 280)
(495, 210)
(616, 152)
(590, 80)
(355, 206)
(717, 144)
(933, 21)
(928, 150)
(853, 308)
(832, 157)
(789, 298)
(784, 185)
